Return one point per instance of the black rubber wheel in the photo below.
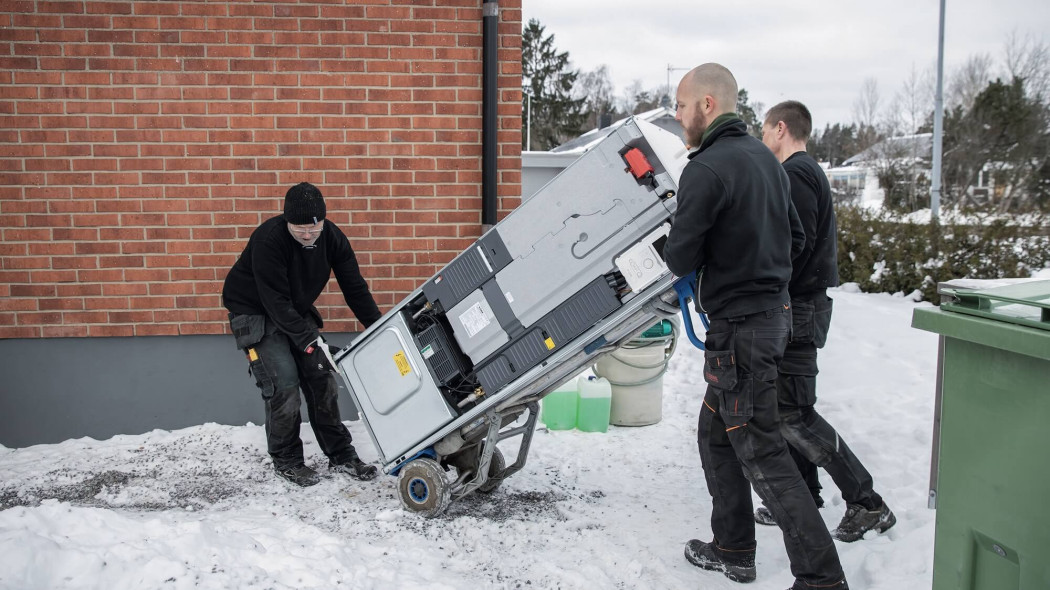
(496, 467)
(423, 488)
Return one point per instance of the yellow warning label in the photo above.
(252, 355)
(402, 363)
(550, 343)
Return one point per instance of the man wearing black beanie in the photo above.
(270, 294)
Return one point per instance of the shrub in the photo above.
(882, 252)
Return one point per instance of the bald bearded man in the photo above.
(736, 227)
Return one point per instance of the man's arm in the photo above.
(798, 233)
(348, 274)
(804, 201)
(701, 196)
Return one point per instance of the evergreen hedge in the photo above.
(884, 252)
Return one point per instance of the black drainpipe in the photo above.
(489, 122)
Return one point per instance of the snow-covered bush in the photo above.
(884, 252)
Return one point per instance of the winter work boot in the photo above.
(764, 516)
(355, 468)
(859, 520)
(300, 475)
(738, 566)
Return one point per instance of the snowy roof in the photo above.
(588, 140)
(919, 145)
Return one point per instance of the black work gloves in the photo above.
(320, 354)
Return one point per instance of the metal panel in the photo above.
(395, 394)
(468, 271)
(475, 326)
(557, 329)
(568, 232)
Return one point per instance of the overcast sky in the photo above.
(816, 51)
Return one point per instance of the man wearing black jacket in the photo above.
(270, 294)
(735, 226)
(813, 441)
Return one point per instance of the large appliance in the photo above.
(462, 362)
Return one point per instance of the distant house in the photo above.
(538, 168)
(905, 147)
(904, 159)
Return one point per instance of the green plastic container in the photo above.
(595, 405)
(990, 479)
(559, 406)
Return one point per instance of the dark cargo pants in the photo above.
(815, 442)
(280, 371)
(740, 443)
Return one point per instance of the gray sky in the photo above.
(816, 51)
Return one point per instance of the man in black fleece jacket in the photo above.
(270, 294)
(735, 226)
(813, 441)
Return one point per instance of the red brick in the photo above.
(70, 331)
(173, 187)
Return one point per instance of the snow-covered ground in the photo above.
(200, 508)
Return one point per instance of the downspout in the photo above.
(489, 121)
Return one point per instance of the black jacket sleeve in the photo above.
(798, 232)
(804, 199)
(700, 198)
(348, 275)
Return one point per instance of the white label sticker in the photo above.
(428, 351)
(510, 298)
(475, 319)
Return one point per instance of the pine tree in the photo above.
(748, 113)
(547, 78)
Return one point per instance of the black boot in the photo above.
(300, 475)
(859, 520)
(355, 468)
(738, 566)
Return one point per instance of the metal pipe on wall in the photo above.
(489, 120)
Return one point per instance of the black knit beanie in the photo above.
(303, 205)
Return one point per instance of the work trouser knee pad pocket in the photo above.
(737, 405)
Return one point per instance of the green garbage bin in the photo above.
(990, 480)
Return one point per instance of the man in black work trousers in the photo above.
(813, 441)
(735, 226)
(270, 293)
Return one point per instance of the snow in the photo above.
(200, 508)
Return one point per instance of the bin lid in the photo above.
(1026, 304)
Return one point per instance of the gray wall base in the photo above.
(55, 389)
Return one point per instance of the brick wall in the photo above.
(142, 142)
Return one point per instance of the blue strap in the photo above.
(686, 289)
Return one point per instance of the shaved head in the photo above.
(716, 81)
(706, 92)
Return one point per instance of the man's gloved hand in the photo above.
(320, 355)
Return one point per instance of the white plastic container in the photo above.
(636, 377)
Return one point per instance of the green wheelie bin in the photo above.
(990, 474)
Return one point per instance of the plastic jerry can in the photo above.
(595, 404)
(559, 406)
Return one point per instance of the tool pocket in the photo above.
(248, 329)
(720, 369)
(802, 322)
(737, 405)
(257, 368)
(821, 324)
